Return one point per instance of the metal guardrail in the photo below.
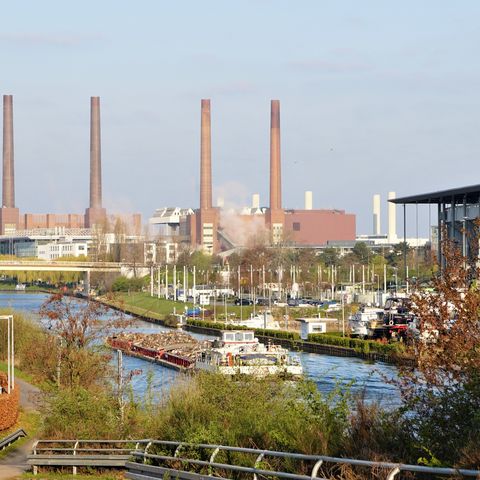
(9, 439)
(156, 466)
(153, 459)
(82, 453)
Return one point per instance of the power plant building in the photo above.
(10, 218)
(207, 228)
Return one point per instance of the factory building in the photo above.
(214, 229)
(46, 243)
(13, 223)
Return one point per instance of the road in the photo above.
(14, 464)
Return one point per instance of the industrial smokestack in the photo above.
(308, 200)
(205, 158)
(95, 155)
(376, 214)
(392, 219)
(8, 192)
(275, 165)
(256, 200)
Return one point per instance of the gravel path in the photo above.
(15, 463)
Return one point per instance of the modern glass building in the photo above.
(458, 213)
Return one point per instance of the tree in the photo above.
(79, 329)
(329, 257)
(442, 395)
(361, 252)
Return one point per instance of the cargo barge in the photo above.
(175, 350)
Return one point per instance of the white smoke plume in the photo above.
(242, 230)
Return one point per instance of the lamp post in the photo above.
(464, 241)
(10, 352)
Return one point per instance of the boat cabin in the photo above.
(229, 337)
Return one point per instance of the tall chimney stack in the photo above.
(275, 165)
(376, 214)
(95, 214)
(392, 219)
(205, 158)
(256, 200)
(308, 200)
(95, 155)
(8, 192)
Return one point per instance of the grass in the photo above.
(30, 421)
(142, 303)
(18, 373)
(29, 288)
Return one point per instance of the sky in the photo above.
(375, 96)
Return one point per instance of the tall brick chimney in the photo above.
(95, 213)
(275, 165)
(8, 192)
(9, 215)
(275, 217)
(204, 224)
(95, 155)
(205, 158)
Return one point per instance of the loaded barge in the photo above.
(176, 350)
(237, 352)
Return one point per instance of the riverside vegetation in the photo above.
(437, 423)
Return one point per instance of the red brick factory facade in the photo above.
(294, 227)
(12, 221)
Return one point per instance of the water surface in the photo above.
(328, 372)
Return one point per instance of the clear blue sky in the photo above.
(375, 96)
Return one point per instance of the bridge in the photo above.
(84, 267)
(52, 266)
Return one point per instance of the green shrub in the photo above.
(361, 346)
(258, 331)
(124, 284)
(254, 412)
(170, 320)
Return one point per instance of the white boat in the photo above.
(20, 287)
(362, 321)
(239, 352)
(261, 320)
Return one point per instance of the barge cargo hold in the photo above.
(176, 350)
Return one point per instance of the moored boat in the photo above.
(365, 319)
(238, 352)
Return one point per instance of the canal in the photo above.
(326, 371)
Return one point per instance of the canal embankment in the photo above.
(325, 344)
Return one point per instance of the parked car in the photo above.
(263, 302)
(243, 301)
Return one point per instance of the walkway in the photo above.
(14, 464)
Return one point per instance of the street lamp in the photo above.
(464, 241)
(10, 353)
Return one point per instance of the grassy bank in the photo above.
(18, 373)
(30, 421)
(143, 304)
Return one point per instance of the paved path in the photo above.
(15, 463)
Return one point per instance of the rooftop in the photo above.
(469, 194)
